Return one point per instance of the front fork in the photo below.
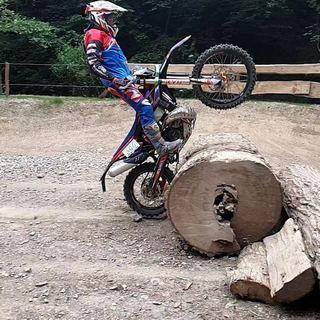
(159, 168)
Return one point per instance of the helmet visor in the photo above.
(110, 18)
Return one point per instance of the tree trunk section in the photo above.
(290, 270)
(251, 278)
(301, 186)
(224, 196)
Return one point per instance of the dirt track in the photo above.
(67, 251)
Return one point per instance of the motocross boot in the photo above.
(162, 147)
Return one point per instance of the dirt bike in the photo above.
(222, 78)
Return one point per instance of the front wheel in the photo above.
(236, 70)
(138, 194)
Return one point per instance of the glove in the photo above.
(127, 82)
(119, 82)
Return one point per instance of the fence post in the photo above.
(1, 90)
(7, 78)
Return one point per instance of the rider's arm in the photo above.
(95, 41)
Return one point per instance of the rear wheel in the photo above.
(236, 70)
(140, 197)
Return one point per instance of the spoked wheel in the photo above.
(236, 70)
(140, 197)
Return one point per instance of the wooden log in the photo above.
(225, 196)
(250, 280)
(291, 273)
(301, 186)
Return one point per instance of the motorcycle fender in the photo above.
(180, 113)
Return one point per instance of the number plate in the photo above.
(131, 148)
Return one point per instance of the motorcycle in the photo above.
(223, 77)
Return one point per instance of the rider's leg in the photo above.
(145, 111)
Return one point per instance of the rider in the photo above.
(107, 61)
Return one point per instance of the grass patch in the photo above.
(52, 100)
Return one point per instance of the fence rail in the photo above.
(297, 87)
(278, 69)
(302, 88)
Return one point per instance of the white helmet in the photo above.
(104, 14)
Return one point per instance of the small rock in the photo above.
(23, 242)
(40, 176)
(63, 290)
(233, 258)
(27, 270)
(116, 287)
(137, 218)
(188, 286)
(229, 305)
(32, 234)
(157, 303)
(177, 305)
(41, 284)
(156, 282)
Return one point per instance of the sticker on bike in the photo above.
(131, 148)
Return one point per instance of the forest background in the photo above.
(51, 32)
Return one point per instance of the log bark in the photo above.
(301, 186)
(211, 163)
(250, 280)
(291, 273)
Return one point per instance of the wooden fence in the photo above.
(303, 88)
(297, 87)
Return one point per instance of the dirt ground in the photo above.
(68, 251)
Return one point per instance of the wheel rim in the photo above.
(142, 194)
(232, 69)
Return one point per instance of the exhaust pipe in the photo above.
(120, 168)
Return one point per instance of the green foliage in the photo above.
(70, 66)
(46, 31)
(3, 4)
(315, 4)
(35, 31)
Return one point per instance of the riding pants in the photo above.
(136, 100)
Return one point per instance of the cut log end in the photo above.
(250, 290)
(302, 285)
(224, 193)
(250, 280)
